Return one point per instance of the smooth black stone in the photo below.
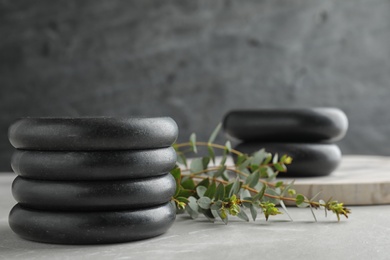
(91, 227)
(287, 125)
(93, 133)
(94, 195)
(93, 165)
(309, 160)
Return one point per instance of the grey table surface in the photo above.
(366, 234)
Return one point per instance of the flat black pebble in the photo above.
(94, 195)
(93, 133)
(287, 125)
(91, 227)
(93, 165)
(309, 160)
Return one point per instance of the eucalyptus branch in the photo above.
(218, 194)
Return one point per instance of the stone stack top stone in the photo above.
(93, 133)
(287, 125)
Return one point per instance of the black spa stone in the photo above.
(99, 227)
(93, 133)
(93, 165)
(94, 195)
(286, 125)
(309, 160)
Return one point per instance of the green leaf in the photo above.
(280, 167)
(224, 158)
(205, 162)
(228, 146)
(192, 208)
(225, 176)
(287, 188)
(259, 195)
(211, 153)
(224, 217)
(176, 173)
(207, 213)
(279, 184)
(275, 159)
(267, 160)
(253, 212)
(193, 142)
(315, 196)
(228, 188)
(274, 193)
(210, 192)
(220, 192)
(285, 209)
(241, 158)
(200, 190)
(182, 159)
(253, 179)
(300, 201)
(215, 133)
(235, 188)
(204, 183)
(312, 212)
(185, 193)
(188, 184)
(258, 157)
(242, 215)
(196, 165)
(220, 171)
(217, 205)
(204, 202)
(245, 164)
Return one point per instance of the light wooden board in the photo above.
(359, 180)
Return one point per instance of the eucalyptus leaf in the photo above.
(215, 133)
(275, 158)
(188, 184)
(300, 201)
(228, 146)
(205, 162)
(235, 188)
(182, 159)
(193, 142)
(220, 192)
(280, 167)
(253, 212)
(259, 195)
(242, 215)
(211, 153)
(220, 171)
(192, 207)
(210, 192)
(285, 209)
(196, 165)
(253, 179)
(204, 202)
(200, 190)
(258, 157)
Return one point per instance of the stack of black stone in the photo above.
(307, 135)
(92, 180)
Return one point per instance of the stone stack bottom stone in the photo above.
(92, 180)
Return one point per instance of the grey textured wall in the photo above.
(195, 60)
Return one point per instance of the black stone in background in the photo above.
(93, 165)
(287, 125)
(309, 160)
(94, 195)
(91, 227)
(93, 133)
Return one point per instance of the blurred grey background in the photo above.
(196, 60)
